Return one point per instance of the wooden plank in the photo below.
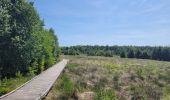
(39, 86)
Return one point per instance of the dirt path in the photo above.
(39, 86)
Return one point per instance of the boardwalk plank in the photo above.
(39, 86)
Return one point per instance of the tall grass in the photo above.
(115, 78)
(7, 85)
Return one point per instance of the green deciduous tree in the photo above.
(25, 46)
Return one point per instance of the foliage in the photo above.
(25, 46)
(131, 54)
(7, 85)
(142, 52)
(122, 54)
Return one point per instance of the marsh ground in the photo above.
(112, 78)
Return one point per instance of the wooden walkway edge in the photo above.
(38, 87)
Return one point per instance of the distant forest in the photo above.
(141, 52)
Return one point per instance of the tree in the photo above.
(145, 55)
(141, 52)
(130, 54)
(138, 54)
(123, 55)
(108, 54)
(24, 43)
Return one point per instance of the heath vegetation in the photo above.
(112, 78)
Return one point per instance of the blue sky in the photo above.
(108, 22)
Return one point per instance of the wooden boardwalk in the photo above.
(39, 86)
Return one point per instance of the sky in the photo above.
(107, 22)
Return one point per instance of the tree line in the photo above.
(141, 52)
(26, 47)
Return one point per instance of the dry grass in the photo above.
(114, 78)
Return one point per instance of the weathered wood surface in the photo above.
(39, 86)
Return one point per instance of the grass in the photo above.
(112, 78)
(7, 85)
(105, 95)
